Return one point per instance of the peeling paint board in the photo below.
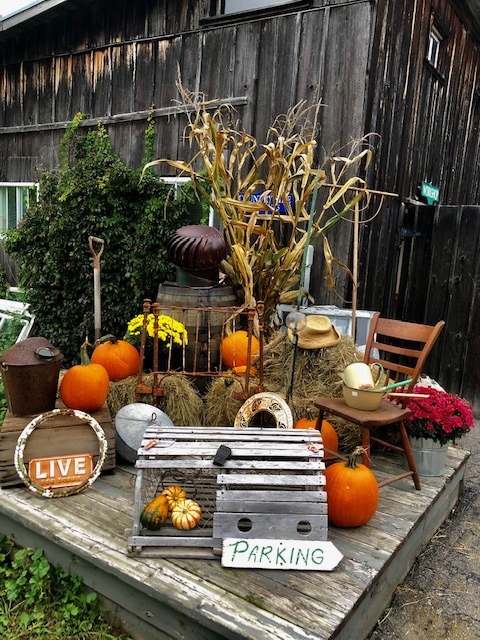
(178, 541)
(271, 525)
(217, 433)
(238, 464)
(277, 507)
(266, 496)
(239, 449)
(265, 479)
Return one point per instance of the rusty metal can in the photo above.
(30, 370)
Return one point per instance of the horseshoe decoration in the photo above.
(268, 402)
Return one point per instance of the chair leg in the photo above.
(318, 425)
(409, 455)
(366, 447)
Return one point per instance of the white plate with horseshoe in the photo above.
(267, 402)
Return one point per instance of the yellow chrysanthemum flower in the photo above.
(169, 331)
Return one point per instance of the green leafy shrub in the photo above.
(3, 283)
(40, 601)
(95, 194)
(8, 335)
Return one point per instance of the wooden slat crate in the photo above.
(61, 435)
(271, 486)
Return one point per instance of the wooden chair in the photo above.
(401, 348)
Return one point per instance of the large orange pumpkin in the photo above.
(352, 493)
(329, 435)
(120, 358)
(85, 386)
(234, 349)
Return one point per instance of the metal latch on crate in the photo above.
(222, 455)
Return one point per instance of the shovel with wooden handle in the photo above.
(97, 305)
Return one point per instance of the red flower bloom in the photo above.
(442, 417)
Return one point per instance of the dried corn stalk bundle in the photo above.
(255, 186)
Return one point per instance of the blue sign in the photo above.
(269, 200)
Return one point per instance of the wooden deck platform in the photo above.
(199, 599)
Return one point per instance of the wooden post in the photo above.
(355, 269)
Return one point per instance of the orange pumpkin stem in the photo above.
(352, 458)
(84, 357)
(109, 337)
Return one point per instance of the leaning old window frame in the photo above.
(19, 209)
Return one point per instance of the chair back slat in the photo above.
(404, 330)
(400, 347)
(399, 371)
(402, 351)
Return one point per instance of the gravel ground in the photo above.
(440, 597)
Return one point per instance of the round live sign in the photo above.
(60, 476)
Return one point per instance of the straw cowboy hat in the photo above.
(318, 334)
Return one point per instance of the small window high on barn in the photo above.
(227, 8)
(234, 6)
(14, 200)
(433, 49)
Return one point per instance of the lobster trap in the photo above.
(250, 483)
(166, 351)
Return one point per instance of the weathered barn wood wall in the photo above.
(364, 60)
(441, 279)
(427, 122)
(128, 61)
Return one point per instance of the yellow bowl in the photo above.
(362, 399)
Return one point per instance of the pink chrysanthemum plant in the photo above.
(441, 417)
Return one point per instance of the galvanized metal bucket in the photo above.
(30, 370)
(430, 457)
(131, 422)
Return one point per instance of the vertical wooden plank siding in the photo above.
(343, 81)
(247, 69)
(462, 287)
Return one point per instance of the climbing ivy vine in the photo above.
(94, 193)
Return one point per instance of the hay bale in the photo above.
(120, 394)
(221, 406)
(182, 403)
(317, 373)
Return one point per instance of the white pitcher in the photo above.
(359, 375)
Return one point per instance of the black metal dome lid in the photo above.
(197, 247)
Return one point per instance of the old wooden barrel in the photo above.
(204, 312)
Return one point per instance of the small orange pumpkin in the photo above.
(120, 358)
(85, 386)
(234, 349)
(174, 495)
(186, 515)
(328, 433)
(352, 492)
